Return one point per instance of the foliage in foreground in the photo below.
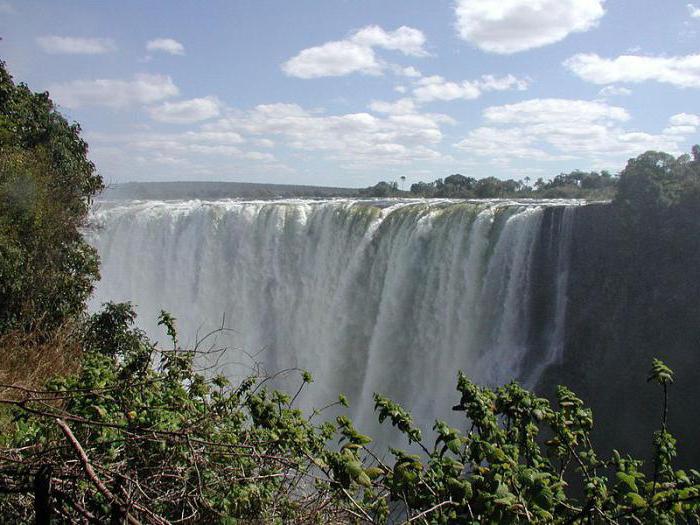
(139, 435)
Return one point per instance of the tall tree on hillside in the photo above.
(47, 182)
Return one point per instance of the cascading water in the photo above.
(387, 296)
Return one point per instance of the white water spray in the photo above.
(369, 296)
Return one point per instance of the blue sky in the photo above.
(349, 92)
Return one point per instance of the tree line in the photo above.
(634, 183)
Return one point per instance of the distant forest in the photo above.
(574, 185)
(205, 190)
(577, 184)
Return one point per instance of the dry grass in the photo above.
(30, 360)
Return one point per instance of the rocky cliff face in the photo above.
(633, 294)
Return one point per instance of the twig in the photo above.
(431, 509)
(89, 471)
(357, 506)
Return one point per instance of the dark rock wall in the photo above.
(633, 294)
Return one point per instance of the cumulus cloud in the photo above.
(560, 129)
(684, 119)
(496, 142)
(682, 124)
(333, 59)
(437, 88)
(356, 53)
(694, 11)
(165, 45)
(186, 111)
(509, 26)
(554, 110)
(69, 45)
(680, 130)
(402, 106)
(407, 40)
(115, 93)
(410, 71)
(398, 138)
(614, 91)
(181, 145)
(682, 71)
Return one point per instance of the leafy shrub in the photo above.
(139, 434)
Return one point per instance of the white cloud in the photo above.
(497, 143)
(356, 54)
(333, 59)
(694, 11)
(509, 26)
(680, 130)
(400, 107)
(560, 129)
(683, 124)
(506, 83)
(614, 91)
(69, 45)
(407, 40)
(410, 71)
(683, 71)
(182, 146)
(398, 138)
(166, 45)
(214, 137)
(115, 93)
(554, 110)
(186, 111)
(265, 143)
(684, 119)
(437, 88)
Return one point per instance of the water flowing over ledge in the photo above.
(389, 296)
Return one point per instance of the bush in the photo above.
(139, 432)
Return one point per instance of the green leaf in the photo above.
(627, 480)
(354, 469)
(660, 373)
(363, 479)
(636, 501)
(374, 472)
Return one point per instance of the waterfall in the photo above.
(388, 296)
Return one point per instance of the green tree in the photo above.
(381, 189)
(46, 186)
(649, 182)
